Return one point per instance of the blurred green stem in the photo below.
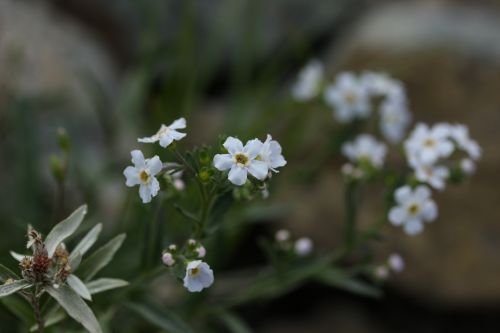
(350, 216)
(36, 308)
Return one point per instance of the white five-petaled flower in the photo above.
(413, 207)
(270, 153)
(365, 148)
(143, 174)
(394, 119)
(168, 259)
(435, 176)
(241, 160)
(309, 81)
(380, 84)
(427, 145)
(167, 134)
(198, 276)
(349, 97)
(460, 134)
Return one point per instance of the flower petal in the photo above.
(253, 148)
(422, 192)
(403, 194)
(132, 176)
(178, 124)
(233, 145)
(176, 135)
(223, 161)
(237, 175)
(429, 211)
(397, 215)
(145, 193)
(138, 158)
(258, 169)
(413, 227)
(166, 140)
(154, 165)
(154, 187)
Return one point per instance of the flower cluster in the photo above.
(301, 247)
(256, 157)
(354, 97)
(429, 152)
(198, 274)
(394, 263)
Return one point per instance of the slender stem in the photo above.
(350, 216)
(38, 314)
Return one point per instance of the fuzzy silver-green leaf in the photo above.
(104, 284)
(64, 229)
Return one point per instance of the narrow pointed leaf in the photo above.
(64, 229)
(6, 273)
(337, 278)
(75, 307)
(18, 256)
(79, 287)
(86, 243)
(10, 288)
(104, 284)
(75, 260)
(100, 258)
(234, 323)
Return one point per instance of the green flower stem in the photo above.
(350, 229)
(36, 309)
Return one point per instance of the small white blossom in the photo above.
(435, 176)
(460, 134)
(191, 242)
(198, 276)
(349, 97)
(427, 145)
(396, 263)
(172, 247)
(282, 235)
(365, 148)
(381, 272)
(271, 154)
(309, 81)
(167, 134)
(413, 207)
(143, 174)
(168, 259)
(380, 84)
(241, 160)
(303, 246)
(201, 251)
(394, 120)
(467, 166)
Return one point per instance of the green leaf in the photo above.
(160, 318)
(103, 284)
(19, 307)
(64, 229)
(86, 243)
(51, 319)
(6, 273)
(79, 287)
(234, 323)
(18, 256)
(12, 287)
(186, 213)
(75, 307)
(340, 279)
(100, 258)
(75, 260)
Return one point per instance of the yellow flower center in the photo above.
(144, 176)
(241, 158)
(429, 142)
(195, 271)
(413, 209)
(350, 97)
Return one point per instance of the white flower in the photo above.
(396, 263)
(460, 133)
(143, 174)
(201, 251)
(282, 235)
(365, 148)
(167, 134)
(198, 276)
(271, 154)
(413, 207)
(394, 120)
(241, 160)
(427, 145)
(349, 97)
(380, 84)
(309, 81)
(467, 166)
(435, 176)
(168, 259)
(303, 246)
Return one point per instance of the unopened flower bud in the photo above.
(396, 262)
(63, 139)
(168, 259)
(201, 251)
(381, 272)
(172, 247)
(467, 166)
(282, 235)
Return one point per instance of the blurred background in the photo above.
(111, 71)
